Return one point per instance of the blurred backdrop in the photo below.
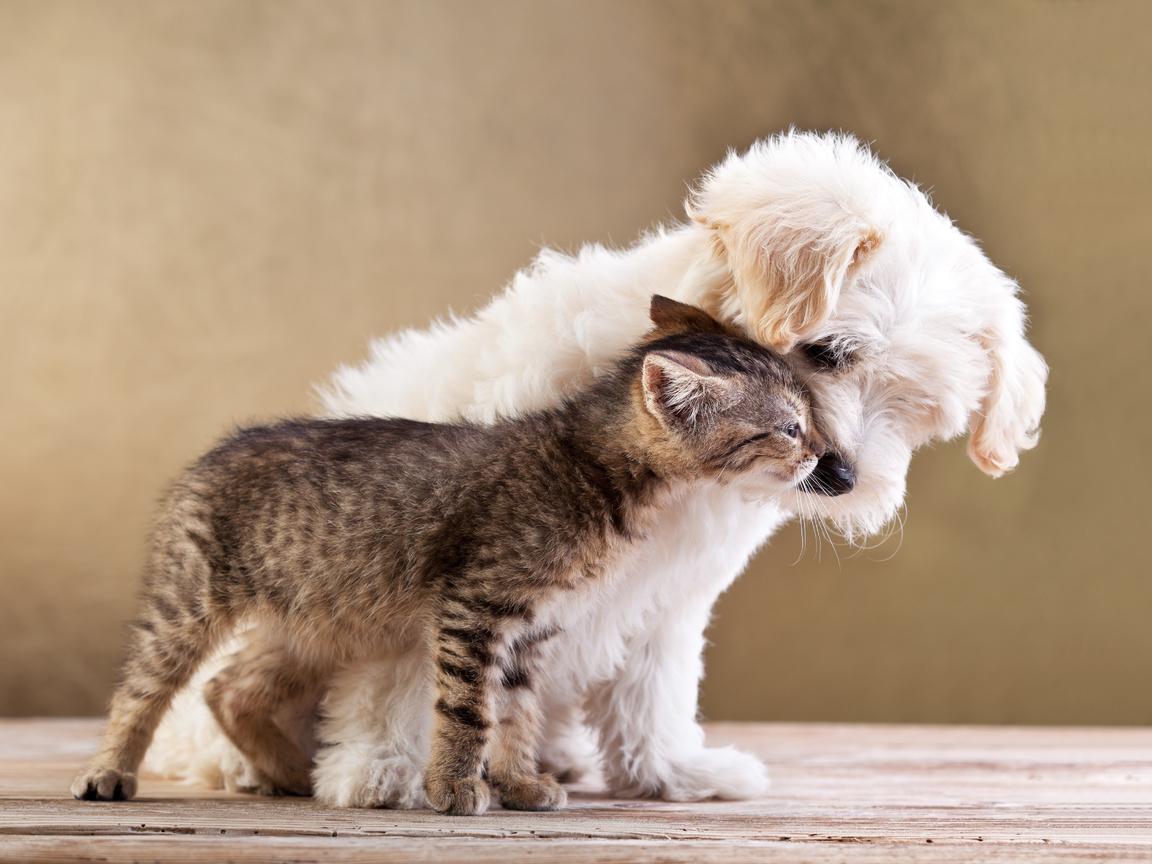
(206, 206)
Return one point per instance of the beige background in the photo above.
(205, 206)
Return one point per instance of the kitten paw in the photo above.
(467, 797)
(542, 792)
(264, 785)
(104, 784)
(295, 780)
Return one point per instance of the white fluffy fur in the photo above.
(802, 238)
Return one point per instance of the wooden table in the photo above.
(840, 793)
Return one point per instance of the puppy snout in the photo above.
(832, 476)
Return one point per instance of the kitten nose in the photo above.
(816, 442)
(832, 476)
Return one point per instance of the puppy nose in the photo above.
(832, 476)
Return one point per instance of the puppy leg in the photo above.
(376, 721)
(646, 718)
(245, 696)
(645, 715)
(568, 748)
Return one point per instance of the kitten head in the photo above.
(724, 406)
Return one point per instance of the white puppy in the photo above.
(905, 333)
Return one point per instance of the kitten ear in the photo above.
(679, 387)
(672, 316)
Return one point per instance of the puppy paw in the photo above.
(570, 754)
(467, 797)
(393, 783)
(722, 772)
(542, 792)
(717, 772)
(104, 784)
(343, 778)
(233, 775)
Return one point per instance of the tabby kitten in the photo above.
(350, 535)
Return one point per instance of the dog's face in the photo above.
(901, 328)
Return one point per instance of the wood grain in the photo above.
(840, 793)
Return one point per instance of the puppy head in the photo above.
(789, 229)
(899, 326)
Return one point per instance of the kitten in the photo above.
(350, 535)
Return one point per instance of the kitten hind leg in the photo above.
(245, 696)
(168, 642)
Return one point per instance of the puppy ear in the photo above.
(1008, 419)
(794, 219)
(679, 387)
(672, 316)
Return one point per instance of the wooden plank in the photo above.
(840, 792)
(400, 850)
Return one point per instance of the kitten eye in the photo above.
(826, 355)
(791, 430)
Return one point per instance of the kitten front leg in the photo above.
(512, 766)
(464, 661)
